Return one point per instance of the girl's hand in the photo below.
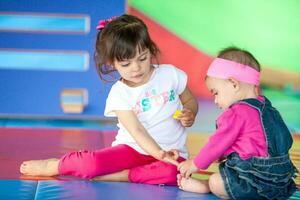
(170, 156)
(186, 168)
(187, 117)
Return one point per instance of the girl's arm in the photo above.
(189, 101)
(229, 126)
(142, 137)
(190, 108)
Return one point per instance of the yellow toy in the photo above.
(176, 114)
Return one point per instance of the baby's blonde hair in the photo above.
(240, 56)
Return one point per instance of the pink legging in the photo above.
(142, 168)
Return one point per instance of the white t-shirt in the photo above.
(154, 104)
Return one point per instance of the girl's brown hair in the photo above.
(119, 40)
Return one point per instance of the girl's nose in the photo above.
(136, 66)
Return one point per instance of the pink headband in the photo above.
(224, 69)
(102, 23)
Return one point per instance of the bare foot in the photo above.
(192, 185)
(47, 167)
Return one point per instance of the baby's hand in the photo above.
(186, 117)
(170, 156)
(186, 168)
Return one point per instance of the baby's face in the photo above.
(223, 91)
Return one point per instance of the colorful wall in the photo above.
(46, 48)
(191, 32)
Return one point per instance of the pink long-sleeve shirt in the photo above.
(239, 129)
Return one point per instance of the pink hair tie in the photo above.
(224, 69)
(102, 23)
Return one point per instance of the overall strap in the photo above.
(255, 103)
(274, 127)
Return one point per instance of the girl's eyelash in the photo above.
(125, 65)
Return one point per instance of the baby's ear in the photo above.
(235, 83)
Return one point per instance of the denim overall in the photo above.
(257, 177)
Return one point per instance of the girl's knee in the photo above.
(154, 173)
(216, 186)
(171, 176)
(171, 171)
(213, 181)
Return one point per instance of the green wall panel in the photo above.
(270, 29)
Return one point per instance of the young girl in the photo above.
(250, 134)
(144, 100)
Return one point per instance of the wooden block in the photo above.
(73, 100)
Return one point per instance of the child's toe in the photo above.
(23, 168)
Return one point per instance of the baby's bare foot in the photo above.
(47, 167)
(192, 185)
